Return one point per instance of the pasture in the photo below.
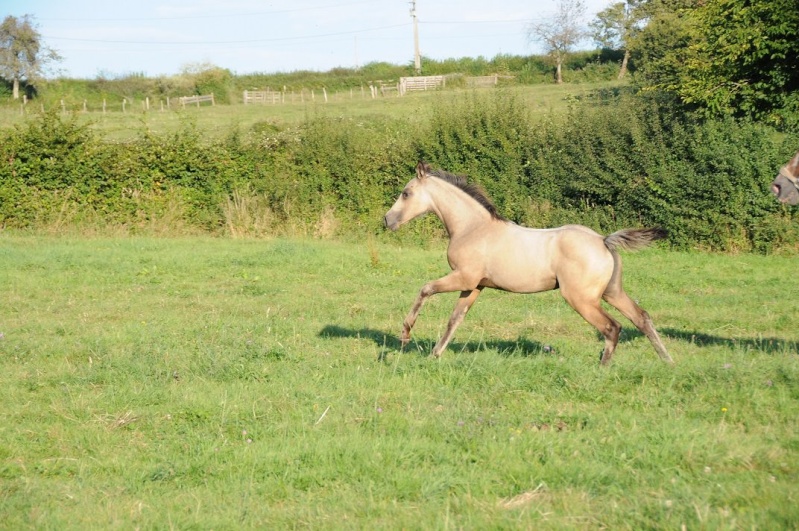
(219, 120)
(214, 383)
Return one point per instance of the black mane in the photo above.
(475, 191)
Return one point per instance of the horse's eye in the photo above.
(405, 195)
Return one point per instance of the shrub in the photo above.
(486, 137)
(350, 165)
(611, 161)
(703, 180)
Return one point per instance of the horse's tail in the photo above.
(633, 239)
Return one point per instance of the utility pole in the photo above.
(417, 59)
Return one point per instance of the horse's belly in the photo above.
(522, 271)
(520, 284)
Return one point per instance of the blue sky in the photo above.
(163, 37)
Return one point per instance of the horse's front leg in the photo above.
(465, 302)
(452, 282)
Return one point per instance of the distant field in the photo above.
(228, 384)
(221, 119)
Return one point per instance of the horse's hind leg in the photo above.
(610, 329)
(607, 326)
(620, 300)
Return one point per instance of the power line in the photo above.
(249, 41)
(215, 16)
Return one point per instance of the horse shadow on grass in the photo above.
(389, 342)
(766, 345)
(523, 347)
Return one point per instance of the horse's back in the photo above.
(526, 260)
(579, 246)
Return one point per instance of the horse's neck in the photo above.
(457, 210)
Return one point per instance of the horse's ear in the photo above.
(793, 165)
(422, 169)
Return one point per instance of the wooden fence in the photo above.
(408, 84)
(262, 96)
(189, 100)
(374, 90)
(485, 81)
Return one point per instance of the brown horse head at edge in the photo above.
(786, 185)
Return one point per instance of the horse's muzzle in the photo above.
(390, 223)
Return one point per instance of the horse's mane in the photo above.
(475, 191)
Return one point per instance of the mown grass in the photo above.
(219, 120)
(215, 383)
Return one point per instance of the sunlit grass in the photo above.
(215, 383)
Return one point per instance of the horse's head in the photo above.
(412, 202)
(786, 185)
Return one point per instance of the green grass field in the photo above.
(225, 384)
(222, 119)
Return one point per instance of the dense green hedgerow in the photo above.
(607, 162)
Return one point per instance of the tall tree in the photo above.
(658, 50)
(615, 25)
(746, 62)
(723, 57)
(23, 55)
(560, 32)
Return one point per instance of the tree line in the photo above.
(716, 57)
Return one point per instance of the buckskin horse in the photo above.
(487, 251)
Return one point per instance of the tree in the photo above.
(560, 33)
(745, 63)
(23, 56)
(614, 26)
(723, 57)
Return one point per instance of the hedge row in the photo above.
(608, 162)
